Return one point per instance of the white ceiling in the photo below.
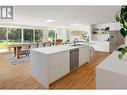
(65, 15)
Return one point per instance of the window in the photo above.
(3, 33)
(11, 35)
(28, 35)
(51, 35)
(62, 34)
(14, 35)
(38, 35)
(3, 37)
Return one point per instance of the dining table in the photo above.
(16, 48)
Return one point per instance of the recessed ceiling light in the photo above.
(50, 20)
(65, 12)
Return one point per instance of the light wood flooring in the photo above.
(19, 77)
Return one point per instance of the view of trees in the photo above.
(28, 35)
(38, 35)
(14, 35)
(3, 37)
(3, 33)
(51, 35)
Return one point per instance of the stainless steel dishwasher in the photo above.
(74, 59)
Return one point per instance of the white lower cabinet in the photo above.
(59, 65)
(49, 67)
(65, 68)
(54, 73)
(84, 55)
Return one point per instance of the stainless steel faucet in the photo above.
(75, 41)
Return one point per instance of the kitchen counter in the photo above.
(48, 64)
(55, 49)
(112, 72)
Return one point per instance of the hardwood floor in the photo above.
(19, 76)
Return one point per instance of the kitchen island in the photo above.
(112, 72)
(48, 64)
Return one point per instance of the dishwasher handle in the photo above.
(74, 50)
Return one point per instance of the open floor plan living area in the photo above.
(63, 47)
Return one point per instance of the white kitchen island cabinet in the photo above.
(58, 65)
(83, 55)
(51, 63)
(112, 73)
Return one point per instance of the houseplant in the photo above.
(121, 17)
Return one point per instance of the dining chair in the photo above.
(33, 45)
(41, 45)
(25, 50)
(48, 44)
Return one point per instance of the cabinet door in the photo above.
(58, 65)
(53, 60)
(64, 61)
(84, 55)
(65, 68)
(54, 73)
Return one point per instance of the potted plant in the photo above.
(121, 17)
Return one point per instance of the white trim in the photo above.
(21, 25)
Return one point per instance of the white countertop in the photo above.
(122, 46)
(114, 64)
(87, 43)
(55, 49)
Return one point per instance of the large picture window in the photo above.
(38, 35)
(28, 35)
(14, 35)
(51, 35)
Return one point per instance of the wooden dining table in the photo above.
(16, 48)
